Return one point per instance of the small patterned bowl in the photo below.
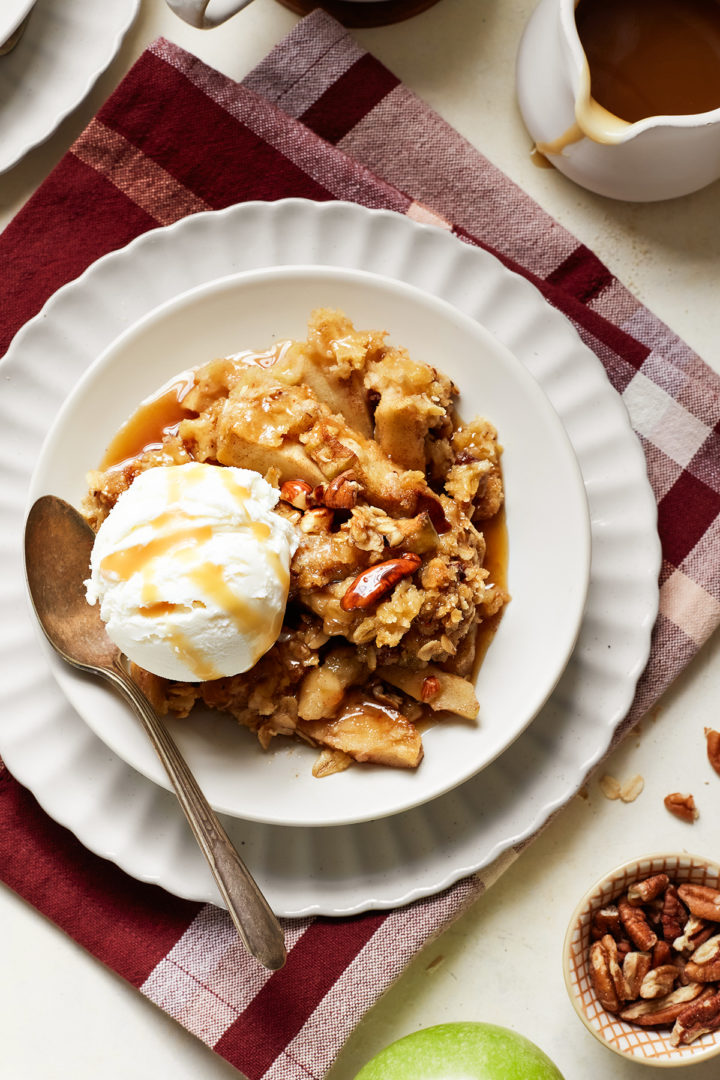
(650, 1046)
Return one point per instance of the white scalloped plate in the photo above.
(65, 47)
(121, 815)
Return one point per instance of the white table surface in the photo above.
(64, 1016)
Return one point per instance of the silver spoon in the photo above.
(58, 542)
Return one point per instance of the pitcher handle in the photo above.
(205, 14)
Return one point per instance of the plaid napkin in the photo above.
(322, 119)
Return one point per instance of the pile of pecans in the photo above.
(655, 957)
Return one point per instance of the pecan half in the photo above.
(603, 975)
(703, 900)
(659, 982)
(695, 932)
(713, 748)
(430, 687)
(635, 922)
(611, 948)
(704, 964)
(644, 891)
(372, 584)
(662, 953)
(700, 1018)
(704, 973)
(708, 952)
(682, 806)
(635, 967)
(674, 914)
(607, 921)
(664, 1010)
(341, 493)
(298, 493)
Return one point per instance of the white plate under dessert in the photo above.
(546, 511)
(117, 812)
(65, 47)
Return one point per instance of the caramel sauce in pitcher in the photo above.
(652, 57)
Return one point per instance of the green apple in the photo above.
(462, 1051)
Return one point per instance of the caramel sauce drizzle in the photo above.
(138, 558)
(154, 419)
(186, 651)
(496, 563)
(248, 618)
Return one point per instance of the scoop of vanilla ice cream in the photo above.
(191, 569)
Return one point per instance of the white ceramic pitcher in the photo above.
(659, 157)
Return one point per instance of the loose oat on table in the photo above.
(627, 792)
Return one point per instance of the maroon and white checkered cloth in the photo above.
(320, 118)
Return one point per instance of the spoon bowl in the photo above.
(56, 570)
(58, 543)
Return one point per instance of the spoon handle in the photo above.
(256, 924)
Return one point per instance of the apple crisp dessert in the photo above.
(393, 589)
